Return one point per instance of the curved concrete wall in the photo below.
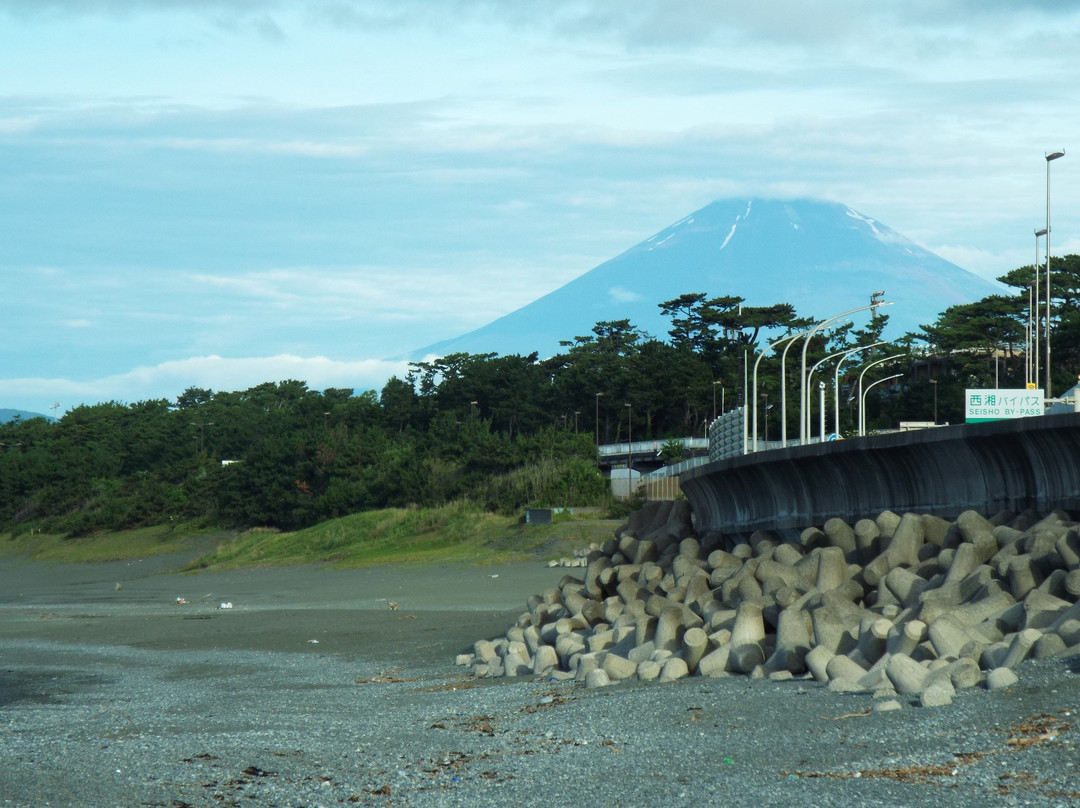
(1014, 465)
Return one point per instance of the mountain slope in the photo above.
(10, 415)
(822, 257)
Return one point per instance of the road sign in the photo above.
(998, 405)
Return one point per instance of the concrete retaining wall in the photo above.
(1014, 465)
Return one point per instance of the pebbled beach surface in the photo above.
(312, 691)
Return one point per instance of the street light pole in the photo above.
(934, 382)
(821, 412)
(766, 395)
(862, 396)
(783, 385)
(757, 362)
(836, 379)
(862, 419)
(875, 302)
(629, 447)
(1036, 332)
(1049, 158)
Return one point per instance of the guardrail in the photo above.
(727, 435)
(648, 447)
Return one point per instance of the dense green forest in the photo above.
(501, 432)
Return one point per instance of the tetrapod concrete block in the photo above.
(747, 638)
(1000, 678)
(695, 643)
(907, 675)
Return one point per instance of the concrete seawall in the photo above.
(1025, 463)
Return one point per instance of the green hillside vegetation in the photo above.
(453, 534)
(468, 435)
(458, 534)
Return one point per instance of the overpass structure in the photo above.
(1005, 465)
(645, 452)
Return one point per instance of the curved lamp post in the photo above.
(783, 386)
(862, 396)
(836, 379)
(862, 424)
(802, 376)
(757, 362)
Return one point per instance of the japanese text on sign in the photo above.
(997, 405)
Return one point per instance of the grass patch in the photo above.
(454, 534)
(114, 546)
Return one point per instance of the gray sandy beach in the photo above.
(311, 691)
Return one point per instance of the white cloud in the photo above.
(168, 379)
(339, 178)
(986, 264)
(622, 295)
(252, 146)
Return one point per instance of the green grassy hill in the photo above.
(453, 534)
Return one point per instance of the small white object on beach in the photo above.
(181, 601)
(496, 575)
(313, 642)
(226, 605)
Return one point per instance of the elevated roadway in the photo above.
(1005, 465)
(645, 452)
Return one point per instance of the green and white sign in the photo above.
(997, 405)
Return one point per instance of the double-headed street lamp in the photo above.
(1049, 158)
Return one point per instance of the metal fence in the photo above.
(727, 435)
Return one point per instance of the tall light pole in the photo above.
(1049, 158)
(766, 397)
(862, 420)
(934, 382)
(862, 396)
(1036, 339)
(629, 447)
(757, 362)
(714, 398)
(836, 379)
(875, 302)
(597, 438)
(1033, 315)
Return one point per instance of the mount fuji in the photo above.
(822, 257)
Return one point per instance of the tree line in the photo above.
(503, 432)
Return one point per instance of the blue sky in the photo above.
(223, 192)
